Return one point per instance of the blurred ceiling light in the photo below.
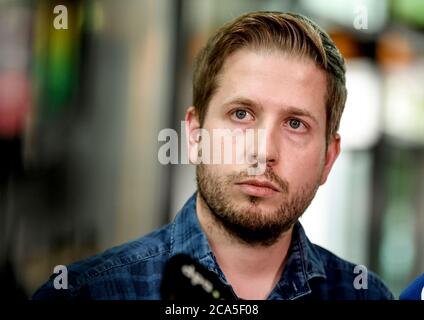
(360, 124)
(344, 12)
(404, 113)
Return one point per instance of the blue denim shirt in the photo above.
(134, 270)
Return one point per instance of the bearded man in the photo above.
(282, 77)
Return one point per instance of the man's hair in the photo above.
(290, 33)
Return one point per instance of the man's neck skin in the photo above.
(252, 271)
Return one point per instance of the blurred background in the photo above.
(81, 109)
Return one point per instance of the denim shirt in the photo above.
(134, 270)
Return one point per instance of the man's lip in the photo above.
(260, 183)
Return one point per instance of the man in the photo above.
(274, 72)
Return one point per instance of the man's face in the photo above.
(285, 97)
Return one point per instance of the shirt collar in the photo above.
(187, 236)
(303, 262)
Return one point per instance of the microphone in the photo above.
(186, 279)
(415, 290)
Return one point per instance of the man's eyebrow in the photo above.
(297, 111)
(243, 101)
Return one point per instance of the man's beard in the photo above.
(249, 223)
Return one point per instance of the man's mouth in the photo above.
(258, 188)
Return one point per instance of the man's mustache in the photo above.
(268, 175)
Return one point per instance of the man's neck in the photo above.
(252, 270)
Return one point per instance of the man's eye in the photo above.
(241, 114)
(294, 123)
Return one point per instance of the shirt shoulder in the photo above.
(130, 271)
(348, 281)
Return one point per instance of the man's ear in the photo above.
(193, 134)
(333, 151)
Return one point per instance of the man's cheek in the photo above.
(303, 169)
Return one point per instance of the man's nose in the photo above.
(269, 146)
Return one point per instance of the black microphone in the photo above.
(186, 279)
(415, 290)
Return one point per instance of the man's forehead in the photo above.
(257, 56)
(263, 78)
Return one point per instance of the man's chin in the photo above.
(265, 203)
(259, 207)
